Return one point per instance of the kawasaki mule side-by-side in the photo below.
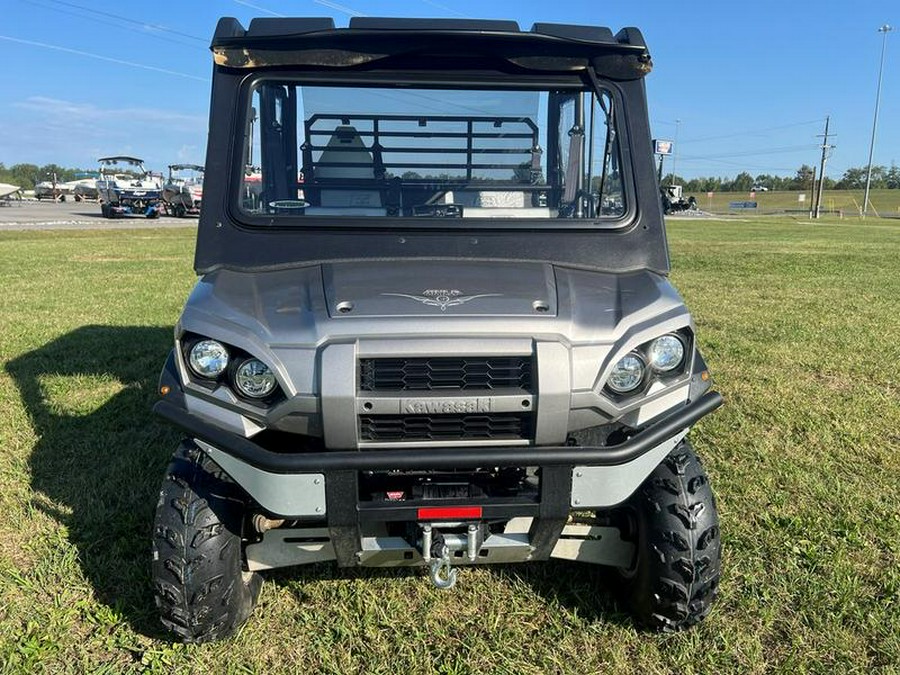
(433, 325)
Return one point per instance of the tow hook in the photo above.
(436, 552)
(442, 575)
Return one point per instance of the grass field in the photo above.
(849, 202)
(798, 322)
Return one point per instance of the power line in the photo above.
(742, 165)
(143, 24)
(340, 8)
(258, 8)
(754, 153)
(119, 26)
(444, 8)
(100, 57)
(747, 133)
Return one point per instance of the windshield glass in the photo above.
(339, 152)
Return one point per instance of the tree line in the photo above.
(26, 176)
(853, 178)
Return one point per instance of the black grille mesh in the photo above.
(445, 373)
(499, 426)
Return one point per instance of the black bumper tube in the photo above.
(438, 458)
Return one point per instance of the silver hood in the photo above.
(454, 288)
(305, 306)
(287, 316)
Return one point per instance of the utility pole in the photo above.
(825, 149)
(675, 152)
(884, 30)
(812, 193)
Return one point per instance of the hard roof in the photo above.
(280, 41)
(230, 32)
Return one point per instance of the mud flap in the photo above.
(553, 512)
(341, 496)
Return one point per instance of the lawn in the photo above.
(849, 202)
(798, 322)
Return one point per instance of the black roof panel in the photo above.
(268, 27)
(572, 32)
(388, 23)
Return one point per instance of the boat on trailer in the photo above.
(125, 187)
(182, 193)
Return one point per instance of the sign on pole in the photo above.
(661, 147)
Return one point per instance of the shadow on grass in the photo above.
(582, 588)
(587, 591)
(100, 468)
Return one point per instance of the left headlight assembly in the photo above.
(208, 358)
(212, 364)
(254, 379)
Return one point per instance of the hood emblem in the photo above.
(443, 297)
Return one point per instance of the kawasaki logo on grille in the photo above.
(439, 406)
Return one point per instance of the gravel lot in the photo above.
(71, 215)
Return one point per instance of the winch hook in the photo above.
(442, 575)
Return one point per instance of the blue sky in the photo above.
(750, 83)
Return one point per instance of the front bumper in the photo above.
(325, 486)
(258, 457)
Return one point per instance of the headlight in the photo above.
(627, 374)
(208, 358)
(666, 353)
(253, 378)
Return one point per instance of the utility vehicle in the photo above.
(453, 343)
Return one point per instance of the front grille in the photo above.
(500, 426)
(443, 373)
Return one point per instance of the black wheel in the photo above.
(104, 209)
(180, 211)
(202, 590)
(673, 522)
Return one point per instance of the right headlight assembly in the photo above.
(661, 357)
(627, 375)
(666, 353)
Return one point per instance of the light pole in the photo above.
(884, 30)
(675, 152)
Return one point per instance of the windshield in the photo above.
(391, 152)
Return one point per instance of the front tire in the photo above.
(202, 591)
(674, 578)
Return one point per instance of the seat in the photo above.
(345, 147)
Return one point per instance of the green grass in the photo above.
(798, 322)
(884, 202)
